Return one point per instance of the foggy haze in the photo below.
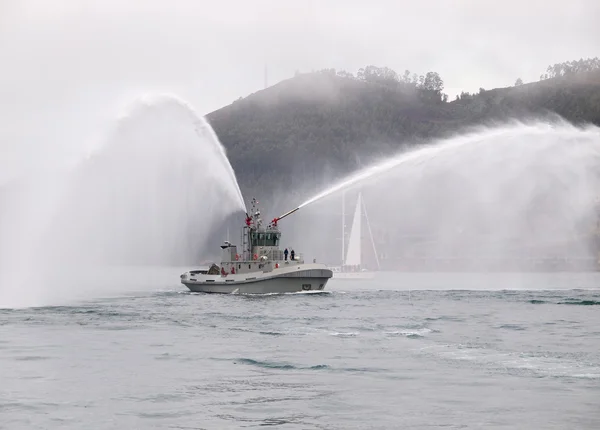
(69, 66)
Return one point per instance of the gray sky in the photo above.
(67, 67)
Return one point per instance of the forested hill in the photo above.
(317, 126)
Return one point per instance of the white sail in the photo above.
(371, 236)
(354, 249)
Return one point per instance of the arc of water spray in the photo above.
(422, 155)
(368, 173)
(222, 152)
(200, 123)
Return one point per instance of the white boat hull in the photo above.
(283, 280)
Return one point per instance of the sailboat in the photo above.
(352, 266)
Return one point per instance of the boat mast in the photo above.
(343, 228)
(364, 206)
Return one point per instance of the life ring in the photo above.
(237, 257)
(277, 265)
(255, 256)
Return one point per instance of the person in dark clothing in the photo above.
(292, 254)
(285, 254)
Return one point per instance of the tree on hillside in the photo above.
(406, 77)
(331, 72)
(344, 74)
(433, 82)
(518, 82)
(430, 87)
(377, 74)
(571, 68)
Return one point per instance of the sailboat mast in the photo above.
(343, 228)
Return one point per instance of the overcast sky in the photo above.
(67, 67)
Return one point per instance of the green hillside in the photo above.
(317, 126)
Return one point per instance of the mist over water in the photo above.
(160, 184)
(512, 191)
(149, 195)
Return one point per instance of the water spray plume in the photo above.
(203, 130)
(150, 195)
(480, 137)
(511, 197)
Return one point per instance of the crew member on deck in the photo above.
(285, 254)
(292, 255)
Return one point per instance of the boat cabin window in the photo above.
(265, 239)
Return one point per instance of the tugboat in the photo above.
(260, 267)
